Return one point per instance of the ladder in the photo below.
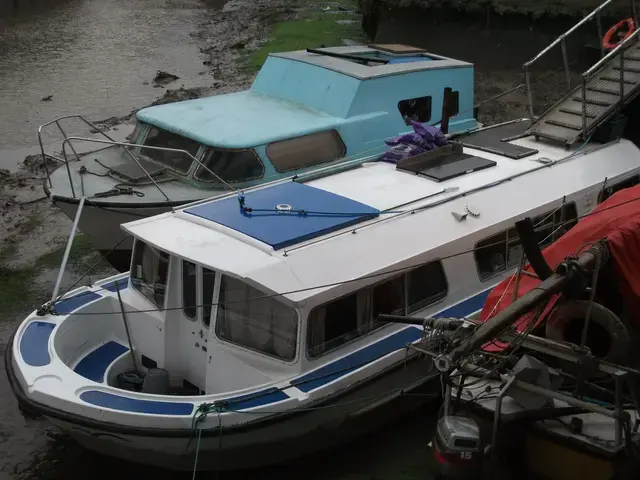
(605, 88)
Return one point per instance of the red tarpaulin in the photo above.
(618, 220)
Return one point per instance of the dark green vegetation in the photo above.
(19, 287)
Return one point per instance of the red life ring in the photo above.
(615, 36)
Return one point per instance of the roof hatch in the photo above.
(285, 214)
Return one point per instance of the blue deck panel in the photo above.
(136, 405)
(34, 343)
(347, 364)
(121, 284)
(257, 399)
(326, 213)
(238, 120)
(68, 305)
(95, 364)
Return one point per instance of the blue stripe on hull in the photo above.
(347, 364)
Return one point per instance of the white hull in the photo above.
(102, 225)
(291, 435)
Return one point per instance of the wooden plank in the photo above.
(397, 48)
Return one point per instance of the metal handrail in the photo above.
(135, 145)
(561, 40)
(568, 33)
(57, 122)
(586, 76)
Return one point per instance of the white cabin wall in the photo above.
(174, 356)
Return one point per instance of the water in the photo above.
(94, 57)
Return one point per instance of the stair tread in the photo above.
(554, 132)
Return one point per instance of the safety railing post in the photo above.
(565, 62)
(621, 76)
(527, 81)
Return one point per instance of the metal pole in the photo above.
(565, 61)
(584, 106)
(621, 77)
(126, 327)
(600, 35)
(496, 417)
(67, 250)
(544, 392)
(527, 81)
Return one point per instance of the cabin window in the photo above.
(177, 161)
(609, 190)
(249, 318)
(189, 290)
(305, 151)
(134, 136)
(230, 165)
(149, 272)
(416, 109)
(503, 251)
(348, 318)
(191, 303)
(425, 285)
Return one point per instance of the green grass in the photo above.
(310, 30)
(17, 284)
(80, 249)
(16, 289)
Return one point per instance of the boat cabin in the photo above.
(302, 110)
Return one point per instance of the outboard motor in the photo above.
(458, 449)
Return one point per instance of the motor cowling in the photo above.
(458, 449)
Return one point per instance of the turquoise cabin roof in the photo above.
(238, 120)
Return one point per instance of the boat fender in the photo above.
(565, 325)
(614, 33)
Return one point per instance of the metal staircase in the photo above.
(605, 88)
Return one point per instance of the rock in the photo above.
(36, 163)
(162, 77)
(238, 46)
(178, 95)
(47, 98)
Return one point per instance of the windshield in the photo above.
(175, 160)
(230, 165)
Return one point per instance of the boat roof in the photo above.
(401, 60)
(238, 120)
(303, 238)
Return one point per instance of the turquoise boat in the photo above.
(307, 112)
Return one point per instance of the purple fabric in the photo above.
(422, 139)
